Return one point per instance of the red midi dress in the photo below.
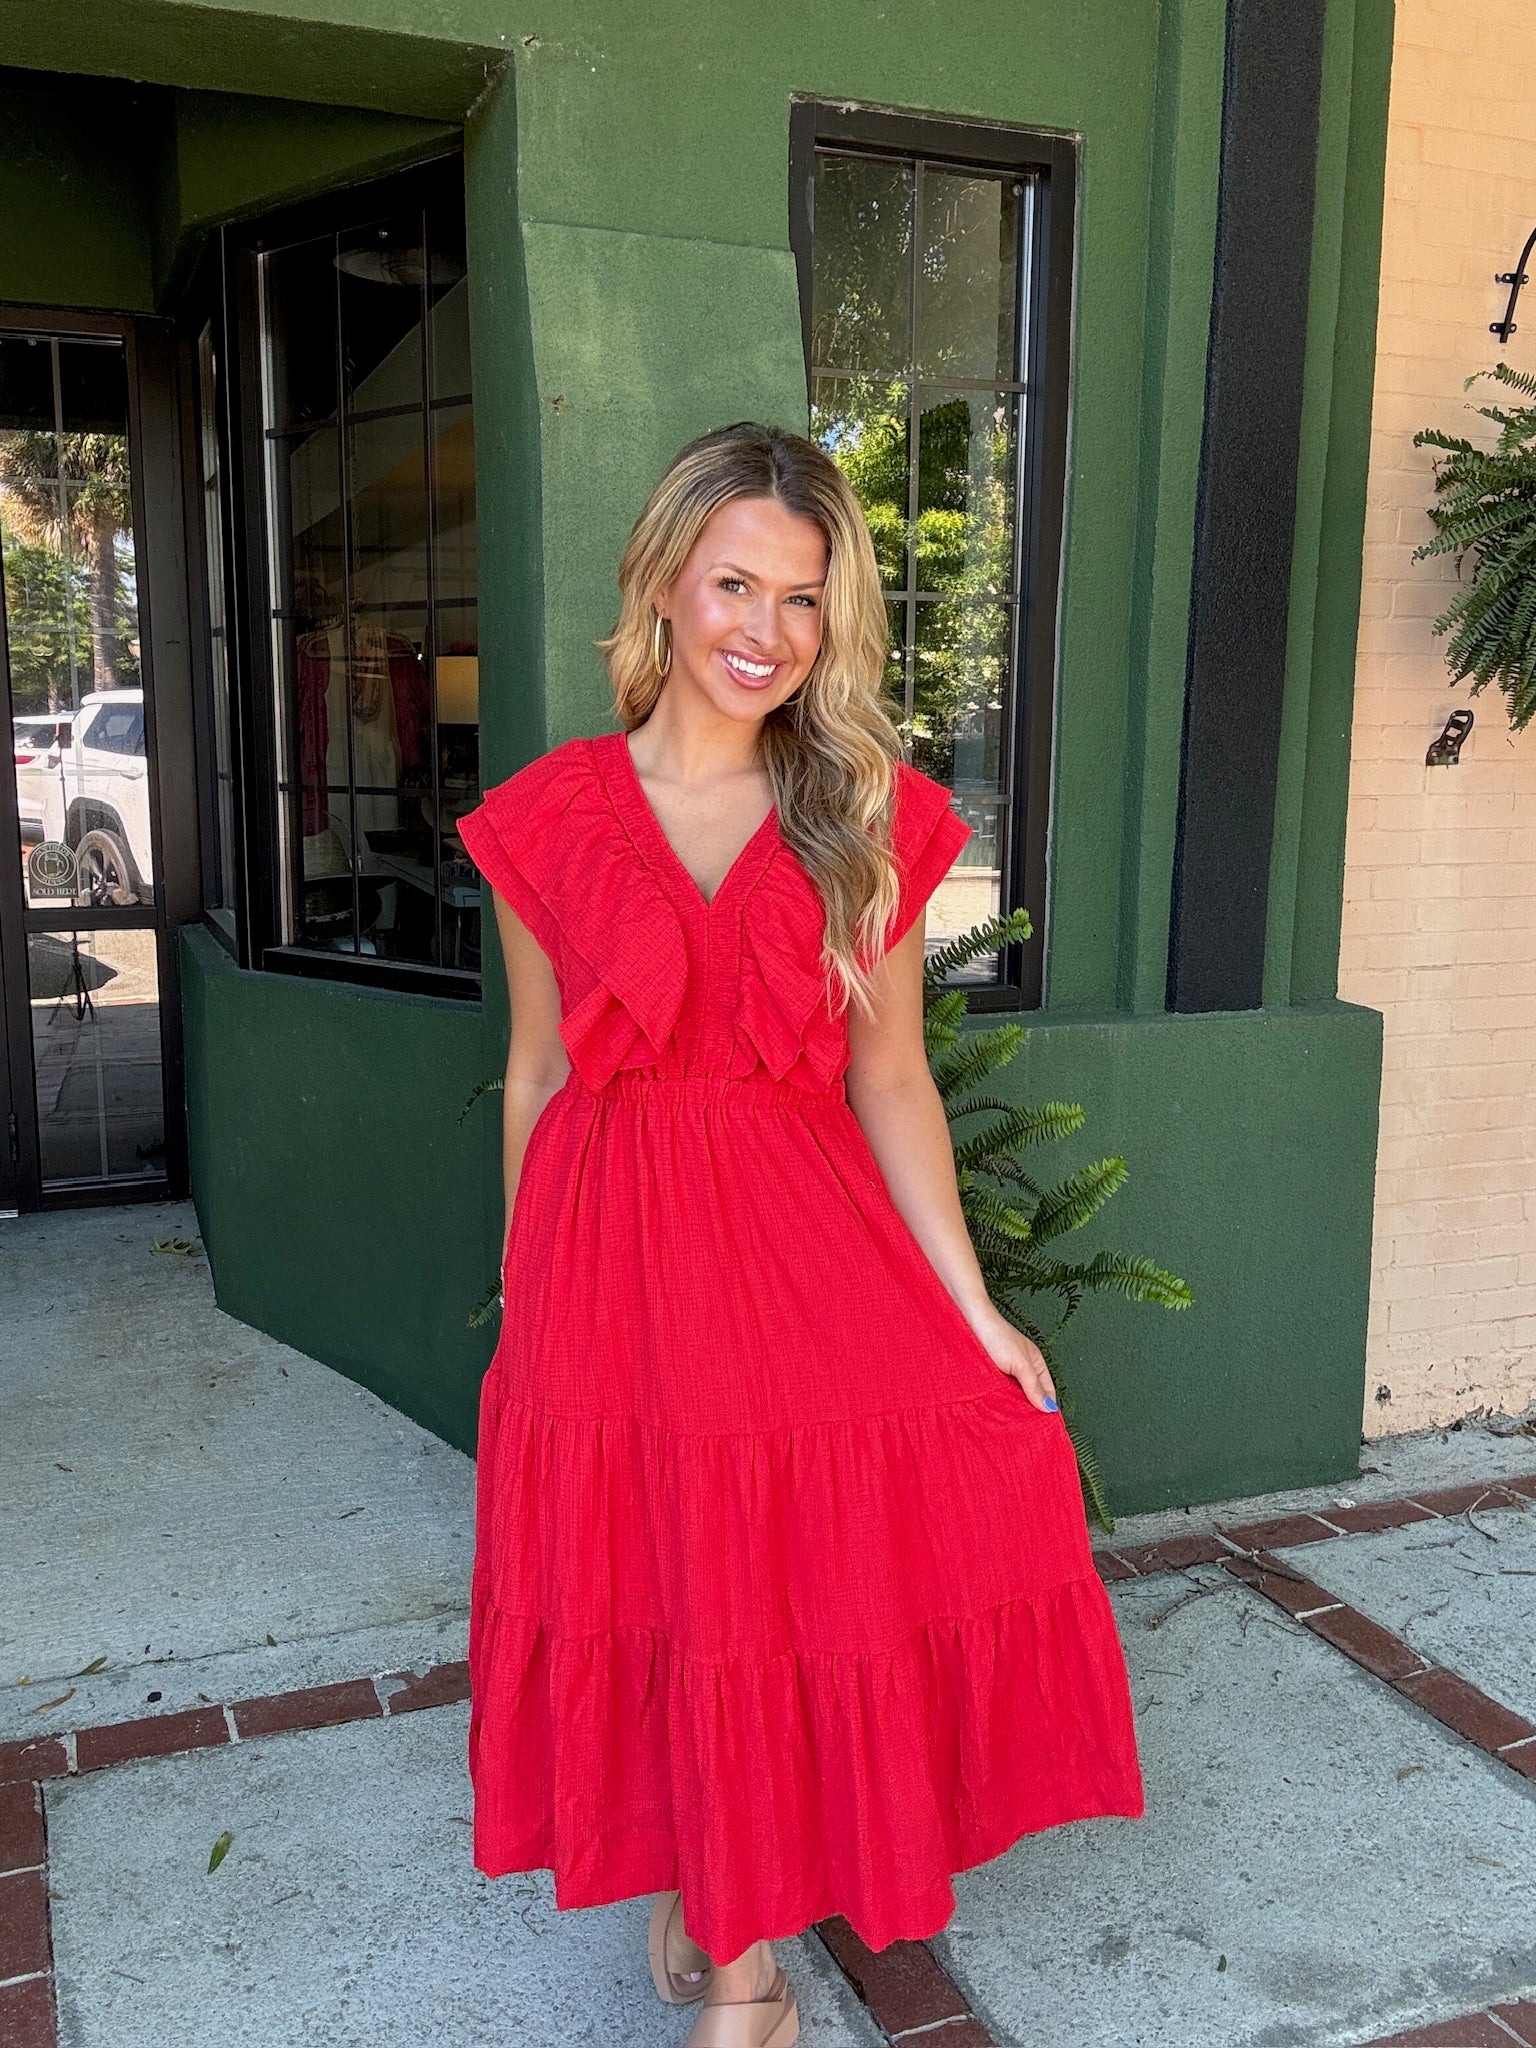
(782, 1590)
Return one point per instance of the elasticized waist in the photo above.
(644, 1084)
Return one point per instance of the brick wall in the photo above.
(1440, 885)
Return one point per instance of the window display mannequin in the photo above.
(381, 678)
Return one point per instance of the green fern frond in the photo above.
(1486, 508)
(1034, 1124)
(976, 1057)
(988, 937)
(1091, 1478)
(485, 1309)
(1083, 1195)
(991, 1211)
(480, 1088)
(973, 1105)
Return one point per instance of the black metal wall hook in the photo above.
(1445, 752)
(1514, 279)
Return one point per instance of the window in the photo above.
(115, 729)
(342, 645)
(221, 883)
(82, 981)
(934, 259)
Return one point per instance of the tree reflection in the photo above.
(65, 512)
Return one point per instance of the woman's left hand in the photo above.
(1017, 1356)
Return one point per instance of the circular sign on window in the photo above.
(52, 869)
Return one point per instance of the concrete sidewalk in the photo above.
(267, 1569)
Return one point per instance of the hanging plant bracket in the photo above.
(1514, 279)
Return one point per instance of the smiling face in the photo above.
(745, 608)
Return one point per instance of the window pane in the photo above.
(308, 539)
(211, 481)
(862, 424)
(961, 671)
(95, 1003)
(966, 468)
(93, 398)
(861, 293)
(973, 890)
(382, 273)
(71, 592)
(26, 385)
(896, 660)
(299, 293)
(917, 271)
(447, 304)
(387, 508)
(967, 283)
(453, 504)
(372, 517)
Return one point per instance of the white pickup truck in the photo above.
(91, 790)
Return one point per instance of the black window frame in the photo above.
(226, 292)
(1051, 160)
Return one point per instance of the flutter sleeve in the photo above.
(926, 836)
(498, 837)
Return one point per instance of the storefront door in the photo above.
(83, 928)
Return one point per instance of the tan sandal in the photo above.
(673, 1956)
(771, 2022)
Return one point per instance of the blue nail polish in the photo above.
(1051, 1405)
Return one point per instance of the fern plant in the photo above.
(1487, 507)
(1013, 1220)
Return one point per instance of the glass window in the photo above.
(114, 729)
(368, 436)
(221, 881)
(72, 618)
(95, 1000)
(916, 326)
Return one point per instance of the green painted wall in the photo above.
(106, 189)
(77, 179)
(632, 284)
(1250, 1139)
(343, 1205)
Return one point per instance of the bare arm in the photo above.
(536, 1058)
(892, 1093)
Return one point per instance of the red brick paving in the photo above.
(1171, 1553)
(1174, 1553)
(316, 1706)
(27, 2018)
(905, 1986)
(44, 1757)
(25, 1944)
(1466, 1708)
(155, 1735)
(1455, 1500)
(446, 1685)
(1282, 1584)
(1111, 1568)
(22, 1842)
(1367, 1643)
(1472, 2030)
(1279, 1532)
(1370, 1517)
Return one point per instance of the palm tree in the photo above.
(70, 494)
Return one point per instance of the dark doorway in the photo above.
(89, 1076)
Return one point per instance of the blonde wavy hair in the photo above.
(831, 748)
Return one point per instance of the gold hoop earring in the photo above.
(661, 646)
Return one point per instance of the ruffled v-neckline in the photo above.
(621, 779)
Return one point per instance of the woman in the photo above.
(783, 1603)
